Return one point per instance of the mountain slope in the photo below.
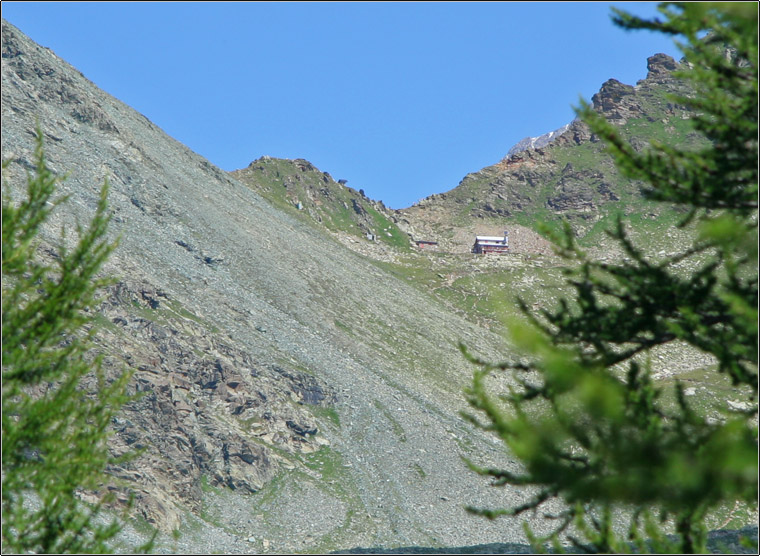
(294, 392)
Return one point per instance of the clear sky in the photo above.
(400, 99)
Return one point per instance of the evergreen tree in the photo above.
(54, 425)
(587, 421)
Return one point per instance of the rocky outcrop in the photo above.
(206, 412)
(660, 68)
(612, 100)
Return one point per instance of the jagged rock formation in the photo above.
(563, 173)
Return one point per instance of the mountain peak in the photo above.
(537, 142)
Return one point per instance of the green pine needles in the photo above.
(636, 465)
(57, 401)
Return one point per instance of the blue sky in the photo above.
(400, 99)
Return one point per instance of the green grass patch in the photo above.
(343, 326)
(327, 461)
(207, 487)
(420, 471)
(328, 413)
(396, 427)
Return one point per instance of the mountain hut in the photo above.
(491, 244)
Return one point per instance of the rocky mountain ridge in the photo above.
(569, 177)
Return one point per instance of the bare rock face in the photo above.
(206, 412)
(578, 133)
(575, 190)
